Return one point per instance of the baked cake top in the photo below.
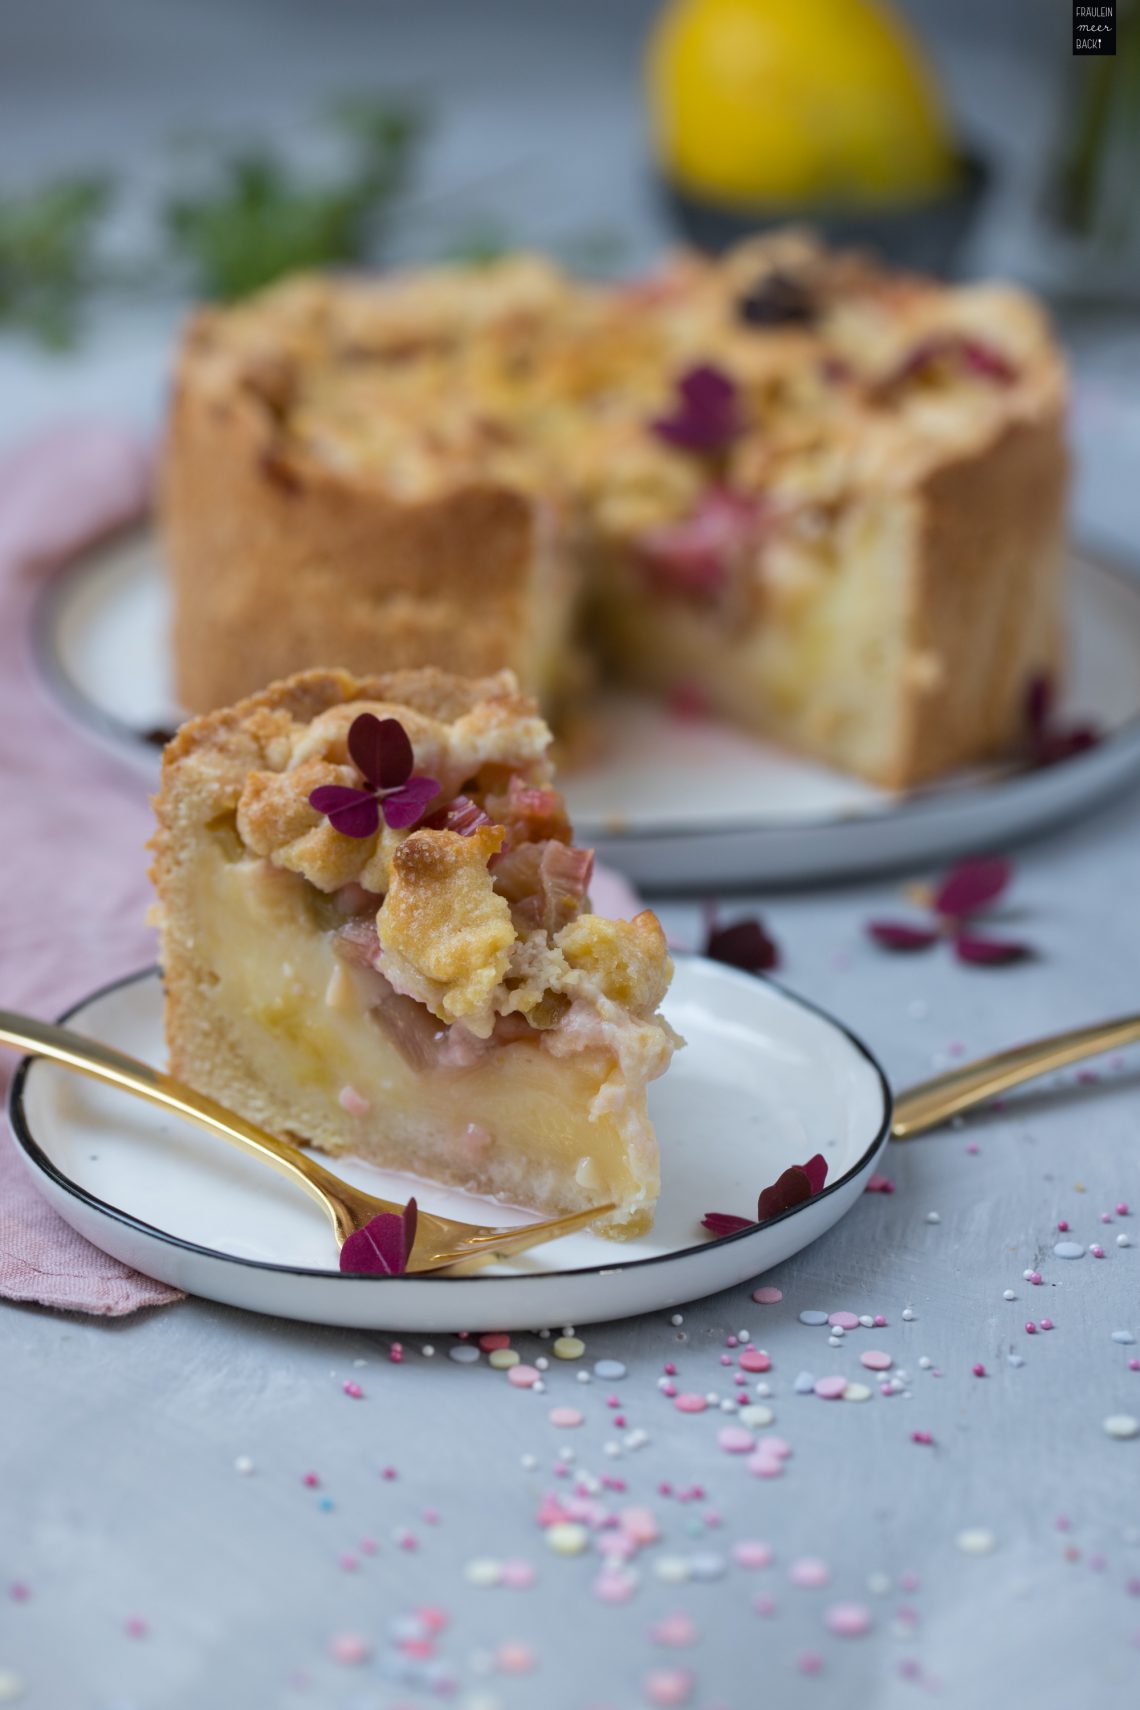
(474, 901)
(783, 368)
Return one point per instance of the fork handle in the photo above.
(104, 1063)
(932, 1102)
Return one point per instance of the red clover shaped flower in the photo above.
(382, 753)
(707, 413)
(384, 1246)
(798, 1183)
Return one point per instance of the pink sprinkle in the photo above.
(353, 1389)
(848, 1620)
(809, 1662)
(880, 1321)
(731, 1341)
(515, 1657)
(349, 1562)
(762, 1465)
(845, 1320)
(669, 1389)
(639, 1524)
(1030, 1328)
(678, 1629)
(767, 1296)
(880, 1184)
(1106, 1217)
(922, 1437)
(613, 1401)
(388, 1473)
(368, 1546)
(750, 1553)
(523, 1376)
(979, 1370)
(433, 1618)
(135, 1627)
(615, 1585)
(726, 1359)
(1063, 1226)
(18, 1591)
(1046, 1324)
(765, 1604)
(973, 1148)
(353, 1102)
(809, 1573)
(1063, 1523)
(669, 1369)
(620, 1419)
(1121, 1211)
(876, 1360)
(776, 1446)
(1035, 1278)
(830, 1388)
(350, 1649)
(565, 1417)
(755, 1360)
(735, 1440)
(689, 1402)
(1097, 1252)
(909, 1581)
(310, 1480)
(494, 1339)
(431, 1516)
(666, 1687)
(1134, 1365)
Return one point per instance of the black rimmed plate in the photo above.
(674, 804)
(765, 1081)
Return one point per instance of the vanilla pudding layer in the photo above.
(554, 1121)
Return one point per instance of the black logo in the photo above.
(1094, 27)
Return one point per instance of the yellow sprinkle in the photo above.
(569, 1348)
(502, 1359)
(567, 1538)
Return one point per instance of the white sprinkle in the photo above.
(756, 1417)
(933, 1217)
(1124, 1336)
(568, 1330)
(674, 1570)
(867, 1321)
(637, 1438)
(664, 1382)
(879, 1583)
(538, 1387)
(712, 1397)
(565, 1454)
(976, 1541)
(360, 1362)
(1008, 1294)
(677, 1320)
(544, 1335)
(427, 1350)
(838, 1330)
(567, 1538)
(746, 1335)
(1122, 1425)
(835, 1341)
(924, 1362)
(613, 1450)
(11, 1686)
(584, 1377)
(542, 1364)
(909, 1314)
(528, 1462)
(483, 1571)
(857, 1392)
(1027, 1275)
(1124, 1240)
(762, 1388)
(1015, 1359)
(243, 1465)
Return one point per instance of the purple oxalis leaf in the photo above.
(971, 885)
(897, 935)
(745, 945)
(725, 1223)
(381, 751)
(404, 807)
(816, 1171)
(354, 813)
(790, 1189)
(990, 952)
(384, 1246)
(707, 416)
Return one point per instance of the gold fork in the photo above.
(440, 1241)
(934, 1101)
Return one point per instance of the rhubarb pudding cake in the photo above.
(376, 938)
(792, 488)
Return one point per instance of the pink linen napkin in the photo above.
(73, 886)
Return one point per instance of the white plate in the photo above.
(765, 1081)
(675, 803)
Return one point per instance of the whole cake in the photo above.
(818, 498)
(376, 937)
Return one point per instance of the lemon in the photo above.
(793, 102)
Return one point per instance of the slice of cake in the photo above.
(376, 938)
(818, 498)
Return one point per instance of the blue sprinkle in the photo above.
(804, 1384)
(1068, 1250)
(611, 1369)
(1015, 1359)
(326, 1504)
(813, 1317)
(1124, 1336)
(463, 1353)
(707, 1565)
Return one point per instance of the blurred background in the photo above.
(156, 150)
